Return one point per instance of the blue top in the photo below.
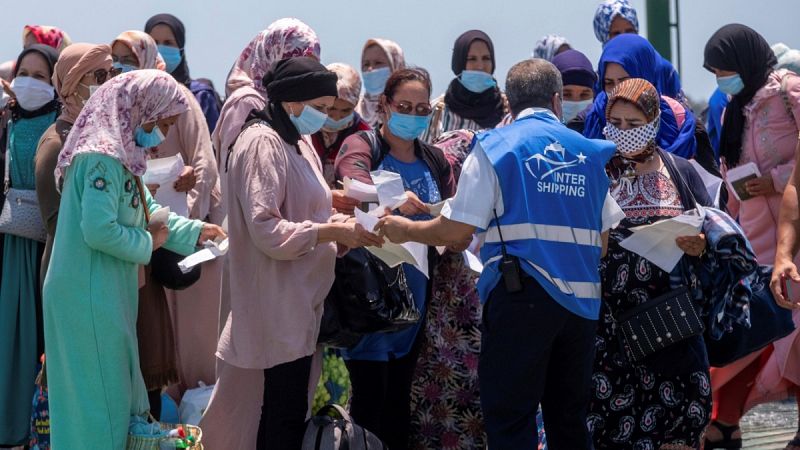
(418, 179)
(207, 99)
(638, 57)
(716, 106)
(554, 185)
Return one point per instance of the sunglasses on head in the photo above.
(404, 107)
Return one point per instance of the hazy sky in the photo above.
(426, 29)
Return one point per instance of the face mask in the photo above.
(634, 140)
(31, 93)
(407, 126)
(572, 109)
(92, 89)
(338, 125)
(375, 80)
(172, 56)
(476, 81)
(148, 140)
(731, 85)
(125, 68)
(309, 121)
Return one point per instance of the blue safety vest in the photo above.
(554, 185)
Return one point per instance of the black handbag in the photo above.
(658, 323)
(768, 323)
(367, 297)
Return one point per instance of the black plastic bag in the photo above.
(367, 297)
(164, 269)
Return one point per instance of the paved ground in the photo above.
(770, 426)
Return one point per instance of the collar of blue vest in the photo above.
(536, 111)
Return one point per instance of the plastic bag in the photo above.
(194, 404)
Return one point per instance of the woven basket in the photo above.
(154, 442)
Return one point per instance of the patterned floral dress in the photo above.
(634, 406)
(445, 405)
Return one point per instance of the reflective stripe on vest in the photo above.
(580, 289)
(554, 233)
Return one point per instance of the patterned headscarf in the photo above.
(368, 106)
(47, 35)
(144, 47)
(349, 83)
(547, 47)
(284, 38)
(108, 121)
(639, 92)
(607, 11)
(74, 62)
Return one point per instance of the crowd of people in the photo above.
(548, 181)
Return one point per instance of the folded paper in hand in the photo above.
(212, 250)
(164, 172)
(360, 191)
(393, 254)
(656, 242)
(391, 192)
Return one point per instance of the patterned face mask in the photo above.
(632, 141)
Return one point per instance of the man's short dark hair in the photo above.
(531, 84)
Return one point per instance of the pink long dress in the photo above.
(770, 141)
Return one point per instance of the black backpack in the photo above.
(333, 429)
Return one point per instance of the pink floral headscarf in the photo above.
(284, 38)
(348, 84)
(368, 106)
(144, 47)
(109, 119)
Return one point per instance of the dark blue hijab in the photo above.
(638, 57)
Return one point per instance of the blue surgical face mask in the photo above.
(477, 81)
(407, 126)
(333, 126)
(309, 121)
(148, 140)
(375, 80)
(572, 109)
(125, 68)
(730, 85)
(172, 56)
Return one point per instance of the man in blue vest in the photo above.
(537, 193)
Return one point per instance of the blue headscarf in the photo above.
(638, 57)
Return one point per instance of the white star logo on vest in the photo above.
(552, 166)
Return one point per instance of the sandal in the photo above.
(727, 442)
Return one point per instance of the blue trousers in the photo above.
(535, 351)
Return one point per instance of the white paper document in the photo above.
(164, 172)
(212, 250)
(656, 242)
(360, 191)
(713, 184)
(160, 216)
(391, 192)
(393, 254)
(472, 261)
(738, 178)
(436, 208)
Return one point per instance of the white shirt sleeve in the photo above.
(478, 193)
(612, 213)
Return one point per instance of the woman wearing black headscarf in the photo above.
(34, 108)
(282, 250)
(473, 100)
(170, 35)
(760, 128)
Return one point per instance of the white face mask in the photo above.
(632, 141)
(572, 108)
(31, 93)
(92, 89)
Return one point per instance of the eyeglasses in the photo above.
(404, 107)
(102, 75)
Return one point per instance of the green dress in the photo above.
(91, 302)
(20, 299)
